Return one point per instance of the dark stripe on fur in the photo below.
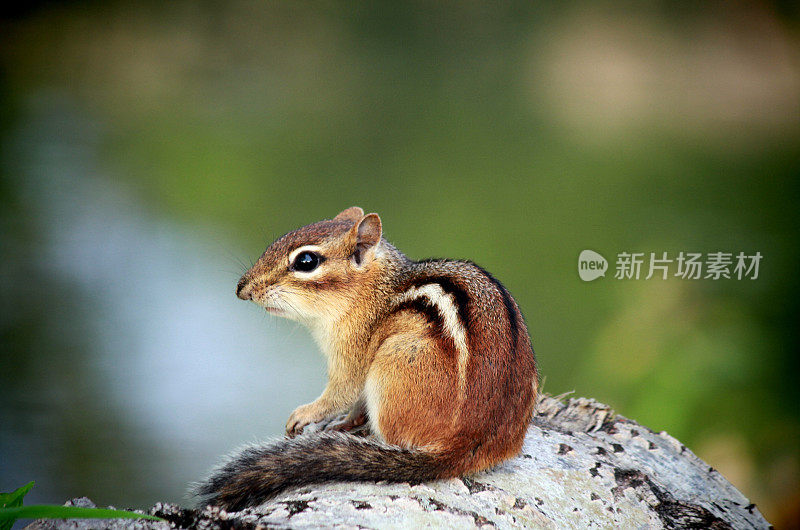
(448, 286)
(258, 473)
(511, 309)
(425, 307)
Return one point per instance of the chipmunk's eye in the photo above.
(306, 262)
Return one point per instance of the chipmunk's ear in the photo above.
(365, 234)
(354, 213)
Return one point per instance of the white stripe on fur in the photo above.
(448, 309)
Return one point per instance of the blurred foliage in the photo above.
(513, 135)
(11, 510)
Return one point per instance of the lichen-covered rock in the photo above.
(581, 467)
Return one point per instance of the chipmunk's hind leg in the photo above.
(398, 410)
(354, 419)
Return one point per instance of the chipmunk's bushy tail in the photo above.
(258, 473)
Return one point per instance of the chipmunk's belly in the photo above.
(372, 396)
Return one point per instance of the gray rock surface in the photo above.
(581, 466)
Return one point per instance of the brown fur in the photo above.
(390, 328)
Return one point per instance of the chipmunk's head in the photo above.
(319, 271)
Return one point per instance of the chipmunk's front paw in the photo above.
(302, 416)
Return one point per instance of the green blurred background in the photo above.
(150, 152)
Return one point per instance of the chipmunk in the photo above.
(434, 356)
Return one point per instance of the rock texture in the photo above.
(581, 466)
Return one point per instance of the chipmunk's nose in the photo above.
(244, 290)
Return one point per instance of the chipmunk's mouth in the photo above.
(274, 310)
